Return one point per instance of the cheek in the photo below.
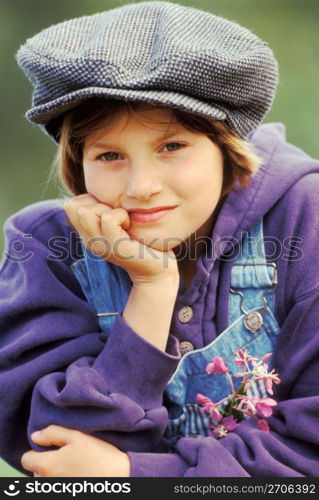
(183, 180)
(102, 185)
(202, 183)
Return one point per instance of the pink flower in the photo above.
(239, 361)
(230, 423)
(243, 357)
(202, 400)
(217, 364)
(215, 415)
(209, 407)
(264, 405)
(269, 380)
(274, 377)
(218, 431)
(212, 411)
(247, 404)
(267, 356)
(240, 400)
(268, 385)
(263, 425)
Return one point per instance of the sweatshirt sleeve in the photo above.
(54, 367)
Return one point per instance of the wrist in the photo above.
(167, 283)
(149, 310)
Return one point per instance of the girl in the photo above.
(186, 249)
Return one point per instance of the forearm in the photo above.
(116, 394)
(149, 310)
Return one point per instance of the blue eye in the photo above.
(173, 146)
(109, 156)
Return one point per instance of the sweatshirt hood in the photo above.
(283, 165)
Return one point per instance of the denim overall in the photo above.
(252, 327)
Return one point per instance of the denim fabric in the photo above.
(255, 280)
(107, 288)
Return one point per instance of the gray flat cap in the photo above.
(158, 52)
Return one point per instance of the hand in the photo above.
(104, 232)
(79, 455)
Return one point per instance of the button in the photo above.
(185, 346)
(253, 321)
(185, 314)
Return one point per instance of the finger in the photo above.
(90, 218)
(85, 199)
(40, 463)
(31, 460)
(120, 245)
(86, 218)
(89, 228)
(72, 205)
(54, 435)
(81, 199)
(115, 223)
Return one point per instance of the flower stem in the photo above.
(230, 380)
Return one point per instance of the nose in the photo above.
(143, 182)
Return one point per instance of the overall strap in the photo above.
(251, 269)
(105, 285)
(253, 280)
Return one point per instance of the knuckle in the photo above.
(83, 211)
(120, 211)
(107, 216)
(83, 196)
(77, 434)
(70, 206)
(50, 428)
(71, 200)
(67, 204)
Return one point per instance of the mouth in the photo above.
(150, 215)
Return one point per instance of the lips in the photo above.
(150, 215)
(148, 210)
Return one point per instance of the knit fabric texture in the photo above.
(156, 52)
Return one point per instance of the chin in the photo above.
(155, 239)
(158, 243)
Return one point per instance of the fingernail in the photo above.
(35, 435)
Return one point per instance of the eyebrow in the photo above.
(105, 144)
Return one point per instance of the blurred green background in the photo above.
(289, 26)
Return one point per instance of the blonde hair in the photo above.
(240, 161)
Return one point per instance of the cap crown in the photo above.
(159, 52)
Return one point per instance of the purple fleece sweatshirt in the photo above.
(56, 369)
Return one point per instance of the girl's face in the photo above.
(146, 160)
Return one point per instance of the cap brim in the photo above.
(44, 113)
